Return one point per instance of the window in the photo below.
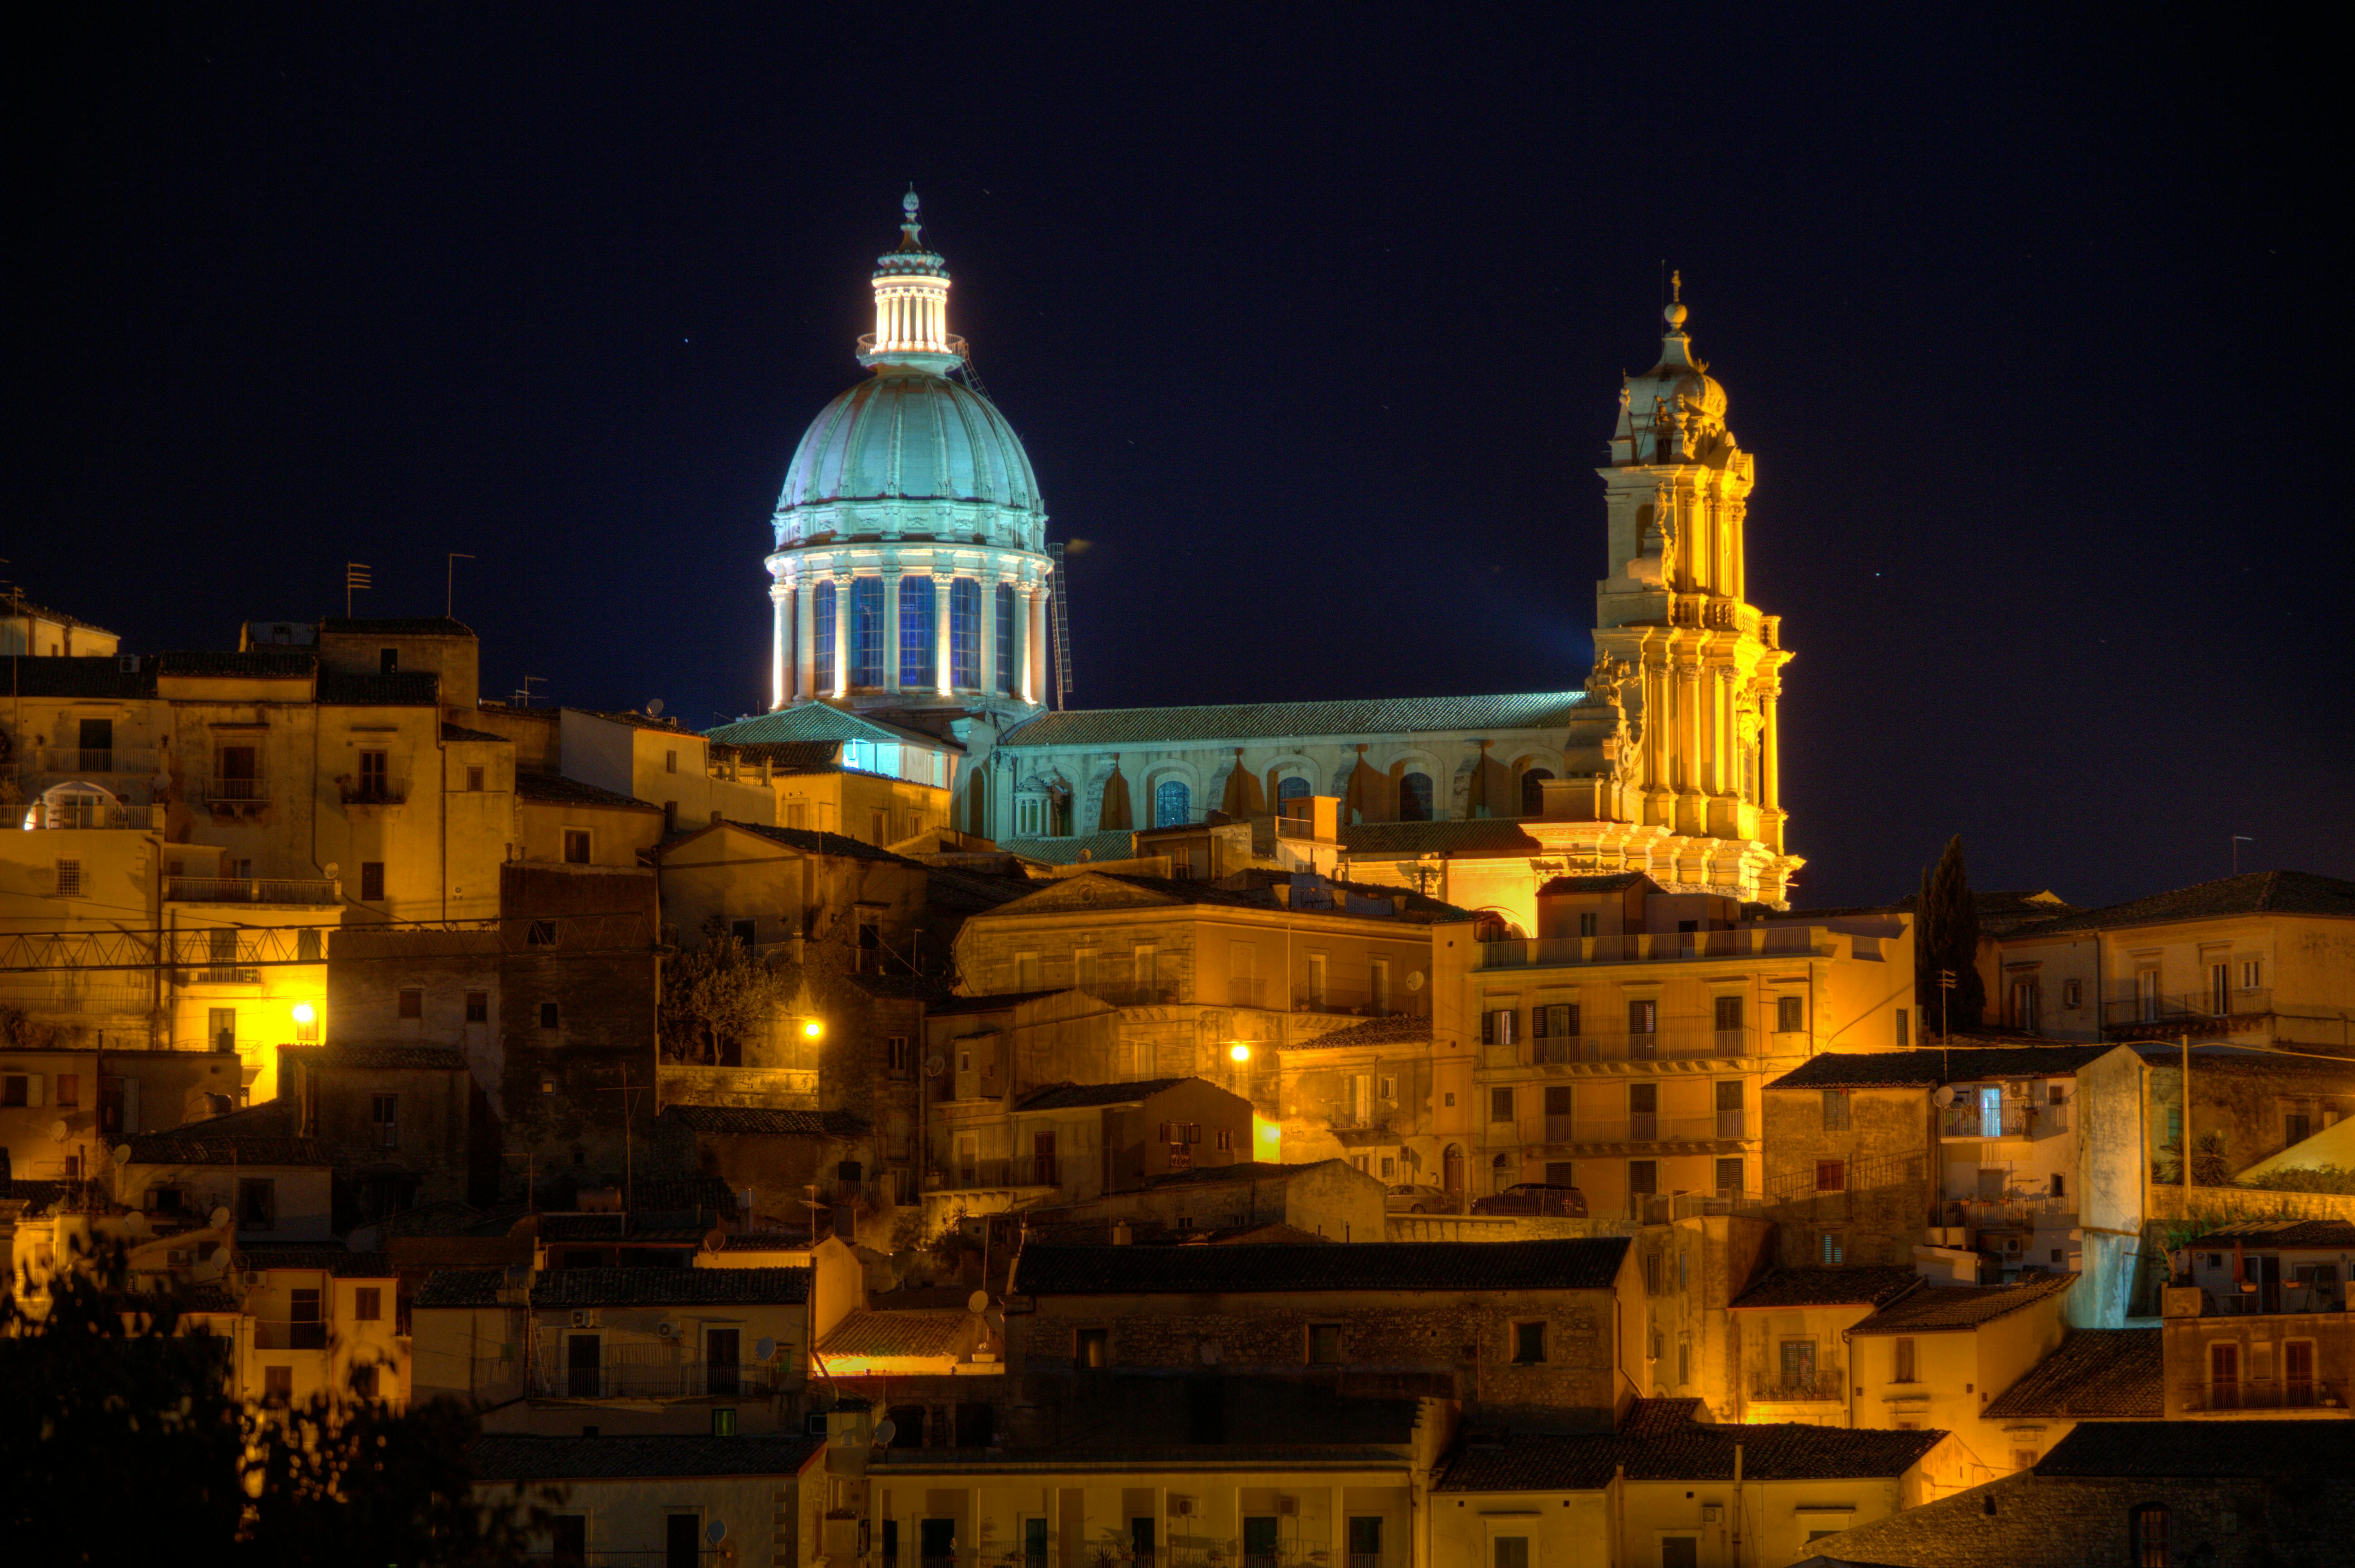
(1729, 1015)
(70, 879)
(1172, 804)
(1092, 1350)
(1831, 1176)
(1414, 798)
(371, 882)
(387, 660)
(895, 1053)
(69, 1089)
(576, 846)
(367, 1304)
(1555, 1021)
(1510, 1551)
(2297, 1126)
(919, 604)
(375, 776)
(1791, 1015)
(866, 632)
(2060, 1185)
(723, 1423)
(1529, 1343)
(15, 1089)
(1643, 1177)
(1651, 1274)
(2250, 969)
(2146, 1535)
(964, 633)
(1533, 791)
(2072, 993)
(277, 1384)
(1225, 1141)
(822, 636)
(478, 1007)
(1902, 1360)
(743, 932)
(1834, 1110)
(670, 760)
(257, 1203)
(1831, 1249)
(1501, 1105)
(1729, 1175)
(2224, 1376)
(547, 1015)
(221, 1027)
(1500, 1026)
(1006, 616)
(413, 1003)
(1325, 1344)
(364, 1382)
(1644, 1015)
(384, 1115)
(473, 781)
(1903, 1036)
(1587, 923)
(540, 934)
(1290, 789)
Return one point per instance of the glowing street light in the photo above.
(304, 1013)
(1239, 1051)
(812, 1029)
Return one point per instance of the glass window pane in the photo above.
(964, 633)
(1004, 629)
(822, 621)
(866, 632)
(918, 602)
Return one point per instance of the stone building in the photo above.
(994, 1148)
(740, 1498)
(1791, 1328)
(1935, 1358)
(405, 1124)
(63, 1110)
(2098, 1374)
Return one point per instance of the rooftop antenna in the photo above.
(1060, 595)
(2238, 839)
(356, 579)
(450, 584)
(523, 693)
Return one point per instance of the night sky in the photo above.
(1313, 325)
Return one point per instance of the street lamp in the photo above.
(1238, 1051)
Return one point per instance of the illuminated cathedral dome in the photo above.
(1676, 410)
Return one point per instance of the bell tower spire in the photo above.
(912, 304)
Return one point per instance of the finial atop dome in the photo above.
(1676, 348)
(912, 301)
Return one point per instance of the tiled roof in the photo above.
(670, 1287)
(766, 1241)
(1939, 1307)
(995, 1002)
(924, 1334)
(761, 1119)
(1183, 1459)
(954, 887)
(270, 1118)
(818, 721)
(2282, 1232)
(1479, 836)
(254, 663)
(617, 1229)
(1812, 1287)
(458, 732)
(2002, 911)
(1400, 1029)
(27, 608)
(1241, 1171)
(1077, 1096)
(1372, 902)
(40, 1195)
(1117, 844)
(1284, 721)
(395, 1056)
(342, 1262)
(809, 840)
(396, 626)
(901, 986)
(2257, 893)
(407, 689)
(2280, 1451)
(39, 675)
(1588, 1263)
(1930, 1066)
(1661, 1442)
(515, 1456)
(2096, 1372)
(792, 756)
(460, 1287)
(554, 788)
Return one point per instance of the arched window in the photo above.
(1005, 639)
(1173, 803)
(1533, 791)
(1414, 798)
(866, 632)
(1290, 787)
(822, 633)
(1503, 1171)
(919, 602)
(964, 633)
(2147, 1536)
(1451, 1168)
(1488, 925)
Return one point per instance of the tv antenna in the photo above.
(358, 577)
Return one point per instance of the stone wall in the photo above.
(1889, 1174)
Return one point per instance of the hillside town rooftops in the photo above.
(1661, 1441)
(2197, 1450)
(2097, 1372)
(556, 789)
(2254, 892)
(519, 1456)
(1955, 1306)
(1586, 1263)
(1817, 1286)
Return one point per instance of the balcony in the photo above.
(2196, 1011)
(279, 1334)
(220, 790)
(653, 1372)
(91, 761)
(1965, 1122)
(1660, 946)
(376, 792)
(1644, 1126)
(1673, 1040)
(1798, 1387)
(996, 1174)
(2270, 1394)
(64, 808)
(1127, 995)
(306, 891)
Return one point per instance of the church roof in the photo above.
(819, 721)
(908, 435)
(1274, 721)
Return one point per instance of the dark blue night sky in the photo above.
(1312, 323)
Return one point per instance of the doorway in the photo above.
(937, 1542)
(1259, 1548)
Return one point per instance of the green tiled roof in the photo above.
(1284, 721)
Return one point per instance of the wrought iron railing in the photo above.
(1824, 1382)
(250, 890)
(221, 791)
(2188, 1007)
(2266, 1394)
(1649, 946)
(376, 792)
(91, 759)
(625, 1372)
(971, 1175)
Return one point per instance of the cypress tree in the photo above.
(1946, 936)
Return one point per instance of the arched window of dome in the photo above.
(919, 602)
(1173, 803)
(1414, 798)
(1006, 619)
(1533, 791)
(964, 634)
(822, 634)
(1290, 787)
(866, 632)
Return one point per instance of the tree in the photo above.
(717, 995)
(124, 1443)
(1946, 936)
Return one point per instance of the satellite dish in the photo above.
(934, 1066)
(1945, 1094)
(135, 1224)
(122, 1154)
(1415, 981)
(716, 1531)
(57, 1130)
(885, 1430)
(715, 1240)
(217, 1219)
(977, 1303)
(653, 710)
(332, 869)
(764, 1348)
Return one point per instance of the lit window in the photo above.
(822, 626)
(866, 632)
(1007, 615)
(964, 633)
(1172, 804)
(919, 601)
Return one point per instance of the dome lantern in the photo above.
(912, 304)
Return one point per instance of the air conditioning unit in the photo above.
(1181, 1508)
(584, 1318)
(666, 1330)
(253, 1280)
(1287, 1507)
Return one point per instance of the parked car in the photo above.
(1534, 1198)
(1412, 1199)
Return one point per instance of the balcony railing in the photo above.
(2190, 1008)
(628, 1372)
(376, 792)
(1360, 999)
(70, 811)
(1650, 947)
(1644, 1126)
(2014, 1120)
(1127, 995)
(1671, 1041)
(91, 760)
(279, 1334)
(986, 1175)
(250, 890)
(221, 791)
(2269, 1393)
(1827, 1382)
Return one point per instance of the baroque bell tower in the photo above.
(1681, 718)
